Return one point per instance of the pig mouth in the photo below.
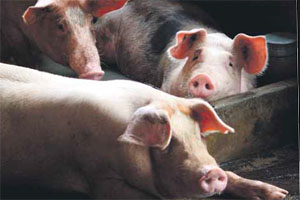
(96, 75)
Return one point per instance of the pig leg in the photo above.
(118, 189)
(252, 189)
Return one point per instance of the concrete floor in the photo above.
(279, 167)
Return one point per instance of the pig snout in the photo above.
(213, 182)
(91, 70)
(201, 85)
(85, 61)
(94, 75)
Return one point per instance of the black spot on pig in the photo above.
(164, 34)
(151, 15)
(245, 52)
(148, 17)
(192, 39)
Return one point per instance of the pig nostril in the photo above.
(207, 86)
(196, 84)
(214, 181)
(208, 180)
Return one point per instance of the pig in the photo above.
(180, 50)
(62, 29)
(132, 141)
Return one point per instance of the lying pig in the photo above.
(162, 43)
(129, 141)
(62, 29)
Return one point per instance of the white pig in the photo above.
(127, 141)
(179, 50)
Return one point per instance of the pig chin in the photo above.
(216, 96)
(201, 196)
(190, 188)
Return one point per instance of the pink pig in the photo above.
(212, 65)
(162, 43)
(62, 29)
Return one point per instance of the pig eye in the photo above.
(94, 20)
(197, 54)
(230, 64)
(61, 27)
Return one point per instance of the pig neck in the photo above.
(127, 162)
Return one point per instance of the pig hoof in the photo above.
(92, 75)
(268, 191)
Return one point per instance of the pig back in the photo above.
(137, 36)
(47, 133)
(63, 104)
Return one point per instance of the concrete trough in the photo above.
(263, 118)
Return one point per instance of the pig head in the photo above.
(181, 164)
(64, 31)
(213, 66)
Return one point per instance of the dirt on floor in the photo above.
(279, 167)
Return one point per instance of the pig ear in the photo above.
(34, 13)
(149, 127)
(208, 119)
(101, 7)
(251, 52)
(186, 42)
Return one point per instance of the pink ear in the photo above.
(208, 119)
(149, 127)
(33, 13)
(186, 41)
(29, 16)
(101, 7)
(252, 52)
